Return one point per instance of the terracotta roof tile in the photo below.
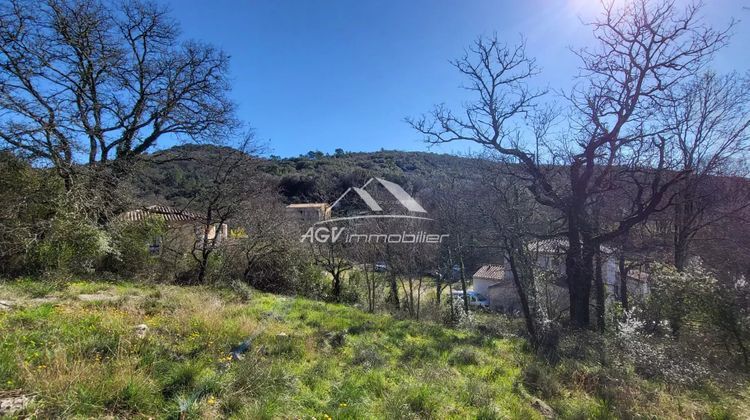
(169, 214)
(490, 271)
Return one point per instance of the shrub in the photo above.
(36, 288)
(655, 358)
(540, 380)
(131, 241)
(418, 350)
(368, 355)
(464, 356)
(73, 244)
(309, 280)
(412, 401)
(181, 377)
(29, 202)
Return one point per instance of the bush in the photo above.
(701, 307)
(654, 358)
(368, 356)
(309, 280)
(464, 356)
(540, 380)
(73, 245)
(131, 241)
(29, 202)
(36, 288)
(415, 401)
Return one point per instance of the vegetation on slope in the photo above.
(313, 177)
(73, 346)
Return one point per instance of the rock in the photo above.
(336, 339)
(97, 297)
(141, 331)
(238, 351)
(281, 336)
(43, 300)
(272, 316)
(543, 408)
(12, 402)
(359, 329)
(6, 305)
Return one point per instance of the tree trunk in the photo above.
(452, 304)
(463, 282)
(203, 263)
(336, 285)
(600, 293)
(527, 313)
(370, 280)
(680, 251)
(393, 293)
(579, 273)
(684, 217)
(623, 282)
(202, 270)
(439, 289)
(419, 296)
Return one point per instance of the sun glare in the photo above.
(589, 8)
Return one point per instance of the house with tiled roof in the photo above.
(495, 281)
(189, 225)
(309, 212)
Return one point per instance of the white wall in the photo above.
(609, 267)
(482, 285)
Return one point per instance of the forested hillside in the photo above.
(170, 177)
(313, 177)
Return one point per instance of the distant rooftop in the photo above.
(169, 214)
(490, 272)
(557, 246)
(638, 275)
(306, 205)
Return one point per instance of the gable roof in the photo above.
(490, 272)
(557, 246)
(168, 214)
(549, 246)
(307, 206)
(638, 275)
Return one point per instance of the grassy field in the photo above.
(74, 348)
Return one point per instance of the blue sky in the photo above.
(321, 75)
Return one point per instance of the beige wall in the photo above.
(481, 285)
(504, 298)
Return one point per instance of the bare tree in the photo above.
(644, 49)
(330, 257)
(85, 81)
(234, 181)
(410, 263)
(710, 124)
(514, 220)
(453, 209)
(368, 255)
(372, 283)
(266, 243)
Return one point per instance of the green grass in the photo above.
(32, 288)
(308, 360)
